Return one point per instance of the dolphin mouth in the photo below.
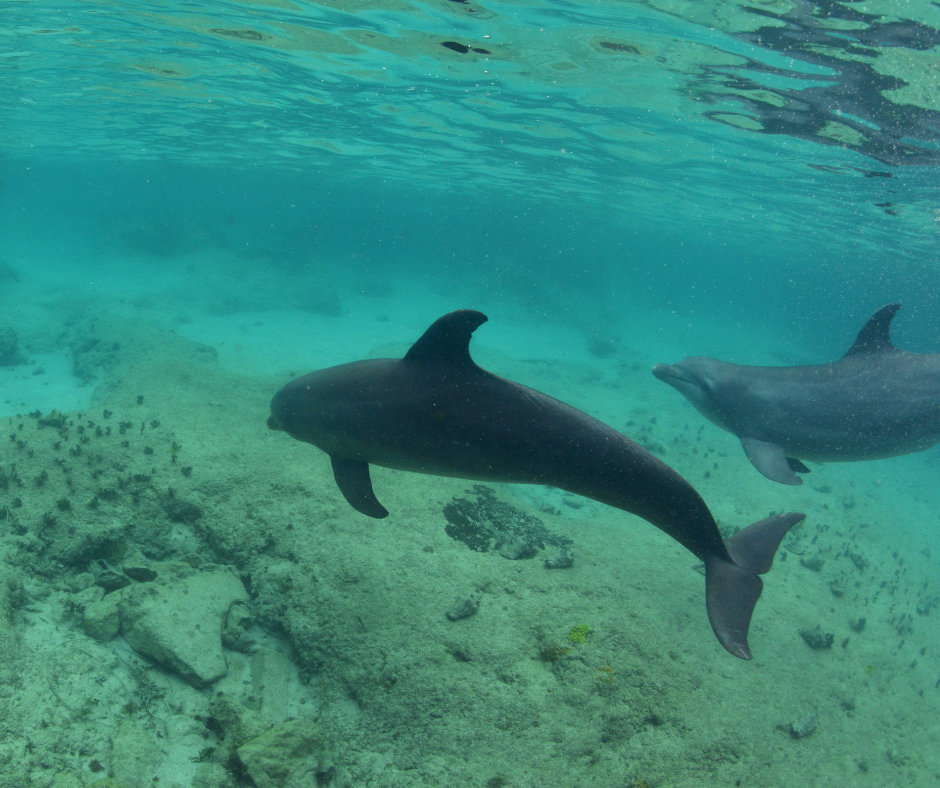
(273, 423)
(665, 371)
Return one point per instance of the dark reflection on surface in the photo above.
(848, 107)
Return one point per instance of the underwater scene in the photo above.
(475, 393)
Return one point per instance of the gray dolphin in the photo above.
(874, 402)
(435, 411)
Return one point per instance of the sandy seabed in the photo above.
(151, 526)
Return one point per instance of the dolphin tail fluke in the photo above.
(732, 589)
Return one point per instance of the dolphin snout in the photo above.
(665, 371)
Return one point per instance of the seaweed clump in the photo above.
(484, 522)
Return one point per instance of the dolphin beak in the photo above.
(273, 423)
(666, 371)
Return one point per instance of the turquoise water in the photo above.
(200, 202)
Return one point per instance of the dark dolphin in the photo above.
(435, 411)
(874, 402)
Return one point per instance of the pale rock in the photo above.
(63, 780)
(82, 581)
(102, 619)
(251, 699)
(134, 756)
(212, 775)
(288, 756)
(177, 620)
(87, 596)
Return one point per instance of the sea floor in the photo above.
(187, 600)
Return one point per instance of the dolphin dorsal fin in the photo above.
(447, 341)
(875, 336)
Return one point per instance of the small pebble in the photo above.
(815, 563)
(82, 581)
(515, 548)
(110, 580)
(817, 639)
(563, 560)
(142, 574)
(804, 726)
(463, 608)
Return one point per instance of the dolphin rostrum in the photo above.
(435, 411)
(874, 402)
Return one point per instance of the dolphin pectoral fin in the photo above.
(732, 589)
(352, 478)
(770, 459)
(796, 466)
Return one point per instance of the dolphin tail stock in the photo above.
(732, 589)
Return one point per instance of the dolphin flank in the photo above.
(874, 402)
(435, 411)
